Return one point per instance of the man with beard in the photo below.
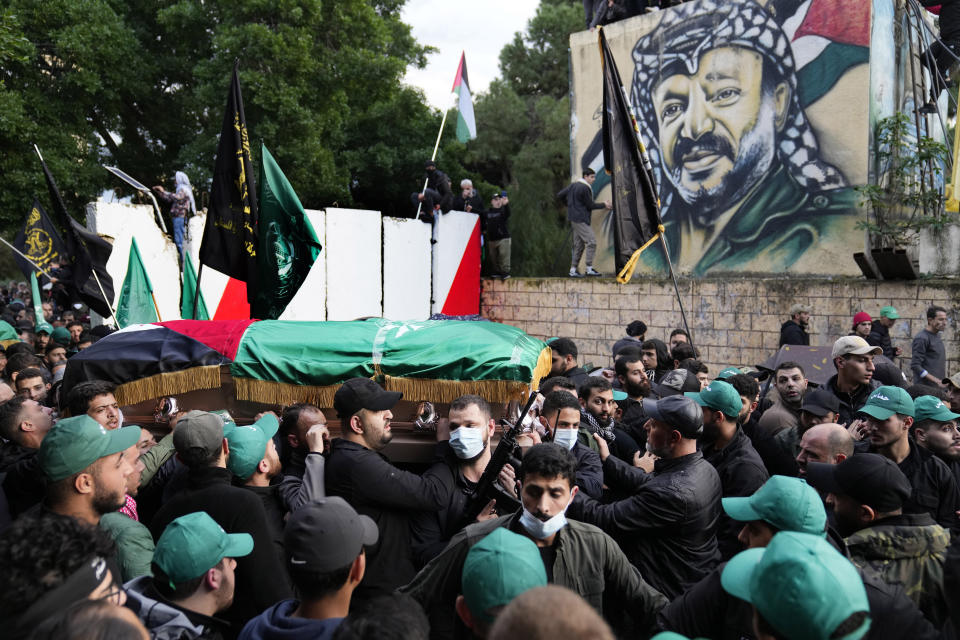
(462, 460)
(34, 383)
(935, 429)
(86, 468)
(780, 452)
(564, 362)
(667, 526)
(296, 420)
(791, 384)
(794, 330)
(134, 542)
(633, 381)
(597, 417)
(853, 383)
(255, 462)
(656, 359)
(728, 449)
(575, 555)
(869, 495)
(827, 443)
(889, 415)
(745, 186)
(357, 472)
(929, 357)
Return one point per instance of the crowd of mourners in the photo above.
(645, 497)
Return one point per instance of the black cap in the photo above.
(363, 393)
(676, 382)
(680, 412)
(429, 163)
(326, 535)
(819, 402)
(868, 478)
(636, 328)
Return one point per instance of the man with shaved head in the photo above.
(830, 443)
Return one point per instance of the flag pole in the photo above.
(17, 251)
(433, 158)
(155, 307)
(196, 290)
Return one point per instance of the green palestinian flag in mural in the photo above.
(136, 297)
(287, 246)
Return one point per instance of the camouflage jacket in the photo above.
(908, 550)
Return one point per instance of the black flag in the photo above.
(40, 241)
(636, 219)
(88, 254)
(230, 234)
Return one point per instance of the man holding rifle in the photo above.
(575, 555)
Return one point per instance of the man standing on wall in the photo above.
(794, 330)
(929, 360)
(579, 197)
(880, 332)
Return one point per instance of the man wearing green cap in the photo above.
(801, 588)
(496, 570)
(86, 467)
(200, 439)
(935, 429)
(193, 580)
(41, 338)
(728, 449)
(880, 332)
(888, 414)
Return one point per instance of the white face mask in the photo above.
(467, 442)
(565, 437)
(540, 529)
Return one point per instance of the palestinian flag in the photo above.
(466, 124)
(284, 361)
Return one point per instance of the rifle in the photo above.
(487, 488)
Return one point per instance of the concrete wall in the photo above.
(734, 321)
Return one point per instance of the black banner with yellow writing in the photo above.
(40, 241)
(230, 235)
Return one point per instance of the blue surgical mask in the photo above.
(467, 442)
(565, 437)
(540, 529)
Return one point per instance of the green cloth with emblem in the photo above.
(287, 246)
(439, 360)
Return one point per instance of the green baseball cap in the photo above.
(789, 504)
(720, 396)
(729, 372)
(671, 635)
(889, 312)
(44, 327)
(61, 336)
(619, 395)
(932, 408)
(886, 401)
(73, 444)
(499, 568)
(801, 585)
(195, 543)
(248, 444)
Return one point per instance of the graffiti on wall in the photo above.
(756, 117)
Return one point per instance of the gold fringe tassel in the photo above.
(283, 393)
(627, 272)
(415, 389)
(544, 365)
(168, 384)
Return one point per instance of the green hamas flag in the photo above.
(287, 246)
(37, 302)
(136, 297)
(189, 290)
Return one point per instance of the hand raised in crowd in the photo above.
(602, 445)
(645, 461)
(508, 480)
(858, 429)
(318, 438)
(489, 512)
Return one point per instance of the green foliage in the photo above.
(523, 137)
(142, 84)
(907, 197)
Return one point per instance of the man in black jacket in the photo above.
(560, 417)
(468, 200)
(880, 332)
(565, 361)
(728, 449)
(202, 446)
(634, 382)
(794, 330)
(497, 235)
(853, 383)
(579, 197)
(668, 526)
(437, 194)
(357, 472)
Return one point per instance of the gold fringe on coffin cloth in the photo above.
(434, 390)
(168, 384)
(283, 393)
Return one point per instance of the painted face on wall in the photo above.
(718, 127)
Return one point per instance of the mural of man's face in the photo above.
(718, 127)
